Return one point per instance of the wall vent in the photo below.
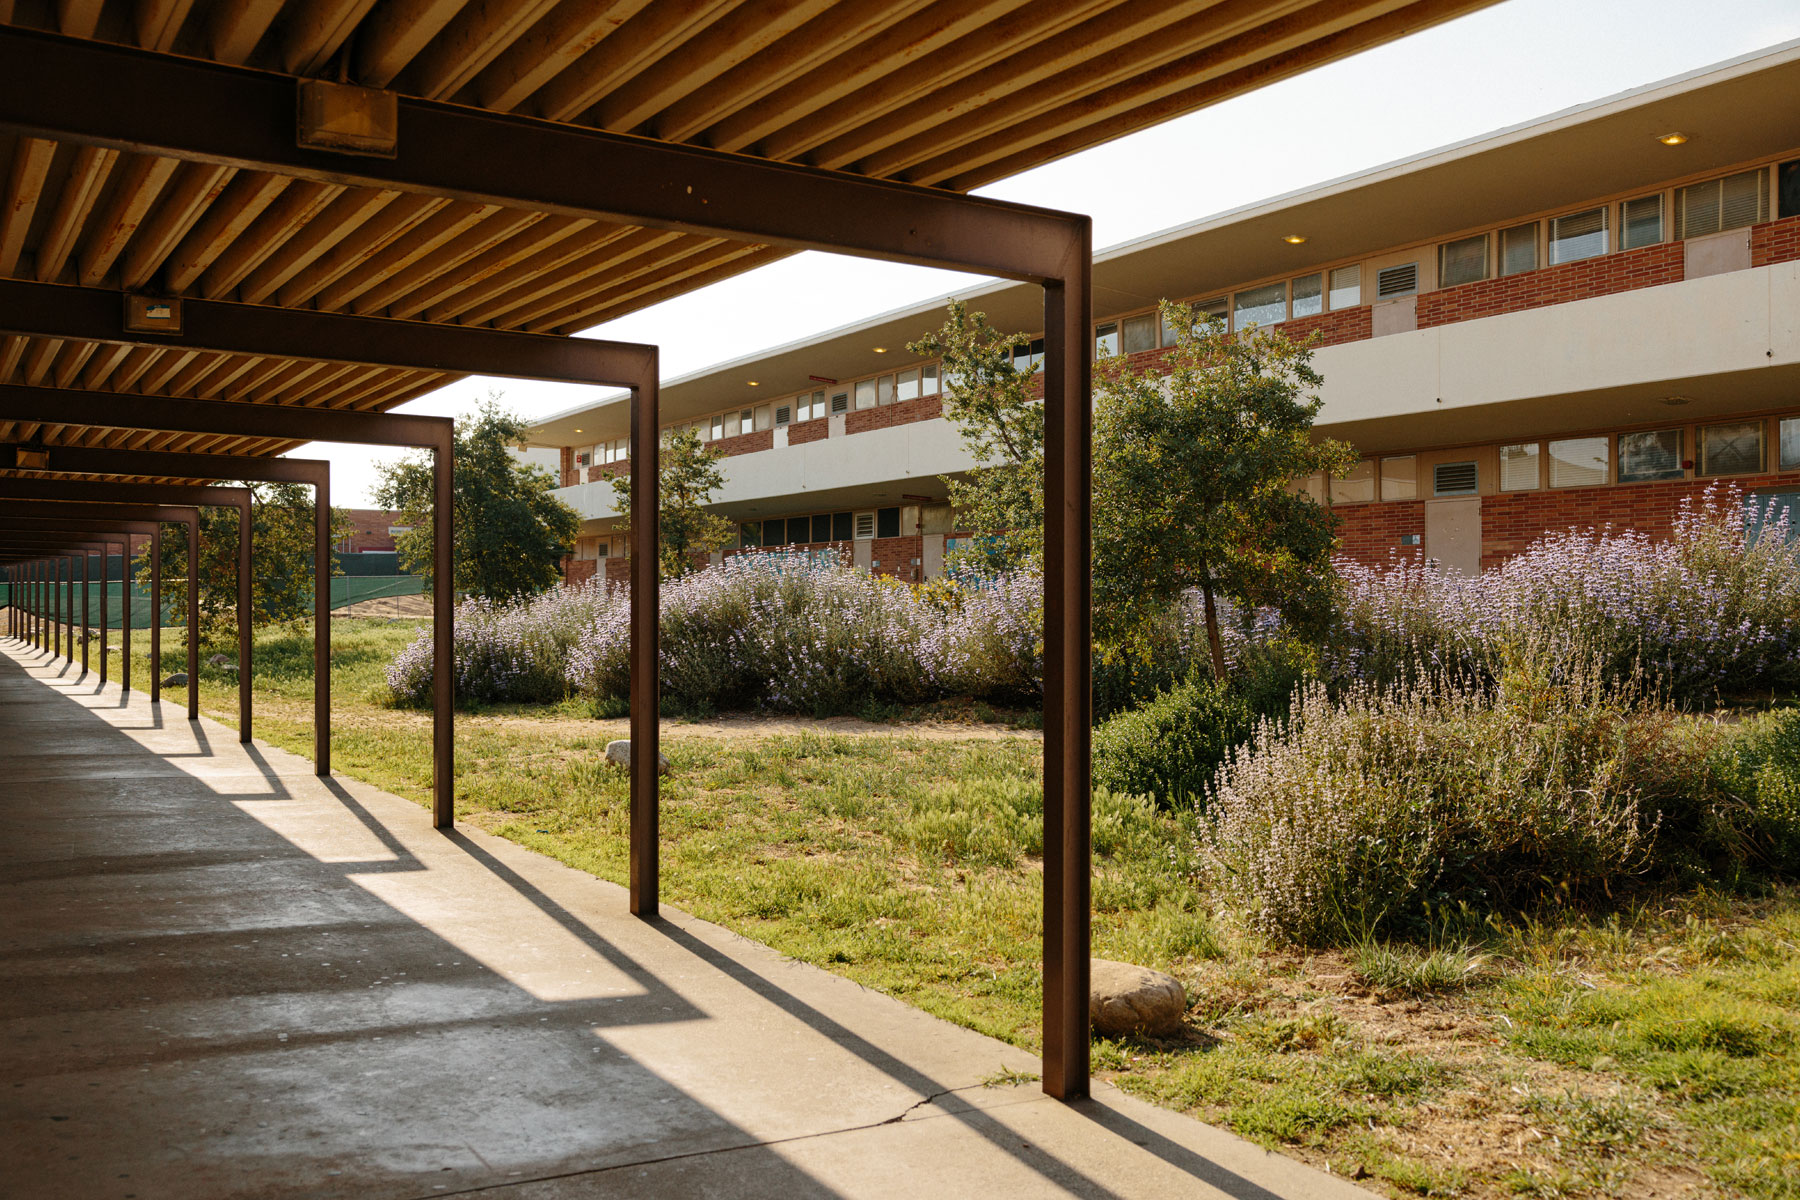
(1402, 280)
(865, 526)
(840, 403)
(1453, 479)
(784, 414)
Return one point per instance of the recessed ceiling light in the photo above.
(1672, 139)
(578, 431)
(753, 383)
(881, 349)
(1294, 239)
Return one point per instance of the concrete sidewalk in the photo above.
(223, 976)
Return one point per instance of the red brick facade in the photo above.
(1334, 328)
(904, 412)
(1598, 276)
(1372, 533)
(1775, 242)
(1511, 521)
(802, 432)
(369, 531)
(894, 556)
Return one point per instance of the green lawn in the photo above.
(1648, 1054)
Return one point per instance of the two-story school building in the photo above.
(1575, 321)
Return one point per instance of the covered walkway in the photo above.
(227, 976)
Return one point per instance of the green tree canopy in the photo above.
(990, 401)
(689, 475)
(1193, 479)
(281, 542)
(511, 532)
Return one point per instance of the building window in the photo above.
(1463, 261)
(906, 385)
(1519, 469)
(1720, 204)
(750, 535)
(884, 389)
(840, 527)
(1518, 249)
(1734, 449)
(821, 528)
(1346, 286)
(887, 522)
(1787, 187)
(1139, 333)
(798, 530)
(1649, 455)
(1309, 298)
(1106, 340)
(1400, 478)
(762, 418)
(1790, 444)
(928, 382)
(1029, 358)
(1577, 236)
(1355, 487)
(1641, 222)
(1215, 309)
(602, 549)
(1266, 305)
(1580, 462)
(865, 394)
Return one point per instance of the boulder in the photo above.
(178, 679)
(620, 752)
(1125, 999)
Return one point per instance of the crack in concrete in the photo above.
(933, 1098)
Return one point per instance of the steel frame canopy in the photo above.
(94, 537)
(467, 214)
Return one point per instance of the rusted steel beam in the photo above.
(315, 473)
(88, 495)
(246, 119)
(646, 698)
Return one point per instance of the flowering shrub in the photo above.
(1711, 609)
(505, 652)
(1354, 819)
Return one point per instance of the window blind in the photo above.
(1577, 236)
(1463, 261)
(1640, 222)
(1518, 249)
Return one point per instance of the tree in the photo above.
(688, 478)
(1193, 474)
(281, 546)
(511, 533)
(991, 403)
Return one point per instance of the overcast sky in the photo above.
(1516, 61)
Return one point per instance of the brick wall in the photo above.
(608, 470)
(1371, 532)
(369, 529)
(895, 555)
(1600, 276)
(1775, 241)
(802, 432)
(886, 416)
(1511, 521)
(579, 570)
(1335, 327)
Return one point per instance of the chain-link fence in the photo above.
(345, 591)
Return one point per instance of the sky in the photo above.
(1514, 62)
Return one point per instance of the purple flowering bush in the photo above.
(1357, 817)
(505, 653)
(1711, 610)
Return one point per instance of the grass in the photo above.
(1654, 1052)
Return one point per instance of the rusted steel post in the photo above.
(443, 632)
(54, 563)
(105, 625)
(156, 614)
(1068, 432)
(646, 779)
(125, 614)
(243, 616)
(193, 620)
(322, 626)
(86, 587)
